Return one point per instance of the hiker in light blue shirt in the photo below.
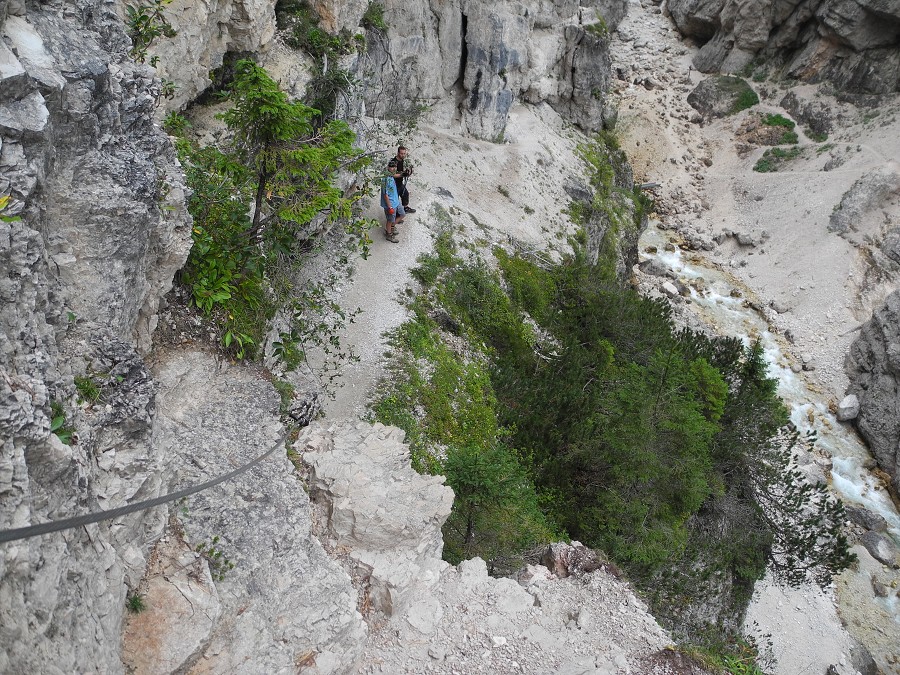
(390, 202)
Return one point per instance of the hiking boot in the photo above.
(391, 237)
(409, 209)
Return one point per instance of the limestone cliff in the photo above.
(852, 43)
(873, 366)
(95, 230)
(487, 56)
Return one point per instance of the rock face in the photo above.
(389, 516)
(853, 43)
(873, 366)
(206, 32)
(279, 599)
(488, 56)
(101, 230)
(384, 520)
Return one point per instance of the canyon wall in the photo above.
(854, 44)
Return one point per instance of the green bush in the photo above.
(145, 22)
(746, 99)
(58, 426)
(778, 121)
(667, 449)
(176, 124)
(773, 158)
(241, 270)
(789, 138)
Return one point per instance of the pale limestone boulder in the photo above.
(389, 516)
(284, 601)
(848, 408)
(206, 31)
(181, 606)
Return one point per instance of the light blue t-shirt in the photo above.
(389, 196)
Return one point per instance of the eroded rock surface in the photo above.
(855, 44)
(102, 228)
(873, 366)
(283, 601)
(384, 519)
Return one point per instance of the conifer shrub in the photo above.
(667, 449)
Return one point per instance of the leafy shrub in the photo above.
(789, 138)
(773, 158)
(816, 136)
(58, 426)
(145, 22)
(241, 270)
(778, 121)
(176, 124)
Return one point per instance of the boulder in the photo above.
(719, 96)
(848, 408)
(865, 518)
(654, 267)
(565, 560)
(881, 548)
(866, 196)
(389, 516)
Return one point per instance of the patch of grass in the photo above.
(824, 148)
(599, 29)
(789, 138)
(778, 121)
(134, 603)
(431, 264)
(817, 136)
(528, 210)
(88, 389)
(503, 190)
(773, 158)
(285, 392)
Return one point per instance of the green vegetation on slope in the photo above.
(557, 400)
(256, 207)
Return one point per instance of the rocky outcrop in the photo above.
(90, 240)
(873, 366)
(277, 600)
(613, 221)
(384, 520)
(388, 516)
(205, 33)
(487, 57)
(868, 194)
(853, 43)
